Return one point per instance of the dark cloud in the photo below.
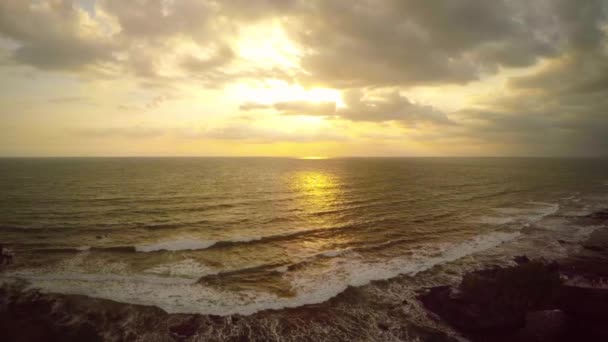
(578, 72)
(345, 43)
(412, 42)
(383, 108)
(49, 35)
(391, 107)
(559, 110)
(151, 19)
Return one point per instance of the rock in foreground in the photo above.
(527, 302)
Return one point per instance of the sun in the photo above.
(267, 46)
(314, 157)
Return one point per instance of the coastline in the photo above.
(29, 315)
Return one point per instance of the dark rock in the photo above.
(530, 285)
(383, 326)
(495, 301)
(584, 302)
(521, 259)
(587, 310)
(83, 332)
(601, 215)
(470, 316)
(216, 319)
(590, 268)
(598, 240)
(185, 329)
(548, 325)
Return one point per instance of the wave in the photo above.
(183, 244)
(193, 243)
(491, 194)
(535, 212)
(180, 295)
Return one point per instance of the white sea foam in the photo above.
(533, 212)
(190, 243)
(188, 268)
(494, 220)
(281, 269)
(313, 285)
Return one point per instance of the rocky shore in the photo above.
(533, 300)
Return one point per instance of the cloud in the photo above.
(343, 43)
(50, 35)
(382, 108)
(154, 19)
(390, 107)
(557, 104)
(558, 110)
(260, 135)
(221, 57)
(295, 107)
(411, 42)
(122, 132)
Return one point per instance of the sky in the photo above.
(301, 78)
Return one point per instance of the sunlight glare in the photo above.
(275, 91)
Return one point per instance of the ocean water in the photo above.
(240, 235)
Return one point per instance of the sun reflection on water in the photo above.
(321, 200)
(319, 193)
(316, 183)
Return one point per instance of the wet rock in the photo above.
(585, 302)
(470, 316)
(82, 332)
(598, 240)
(601, 215)
(547, 325)
(521, 259)
(587, 312)
(185, 329)
(495, 301)
(383, 326)
(530, 285)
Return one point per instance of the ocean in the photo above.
(239, 235)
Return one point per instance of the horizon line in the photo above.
(294, 157)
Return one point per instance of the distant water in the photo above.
(238, 235)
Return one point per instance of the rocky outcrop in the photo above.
(28, 315)
(492, 301)
(601, 216)
(527, 302)
(598, 241)
(534, 300)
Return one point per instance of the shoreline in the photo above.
(29, 315)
